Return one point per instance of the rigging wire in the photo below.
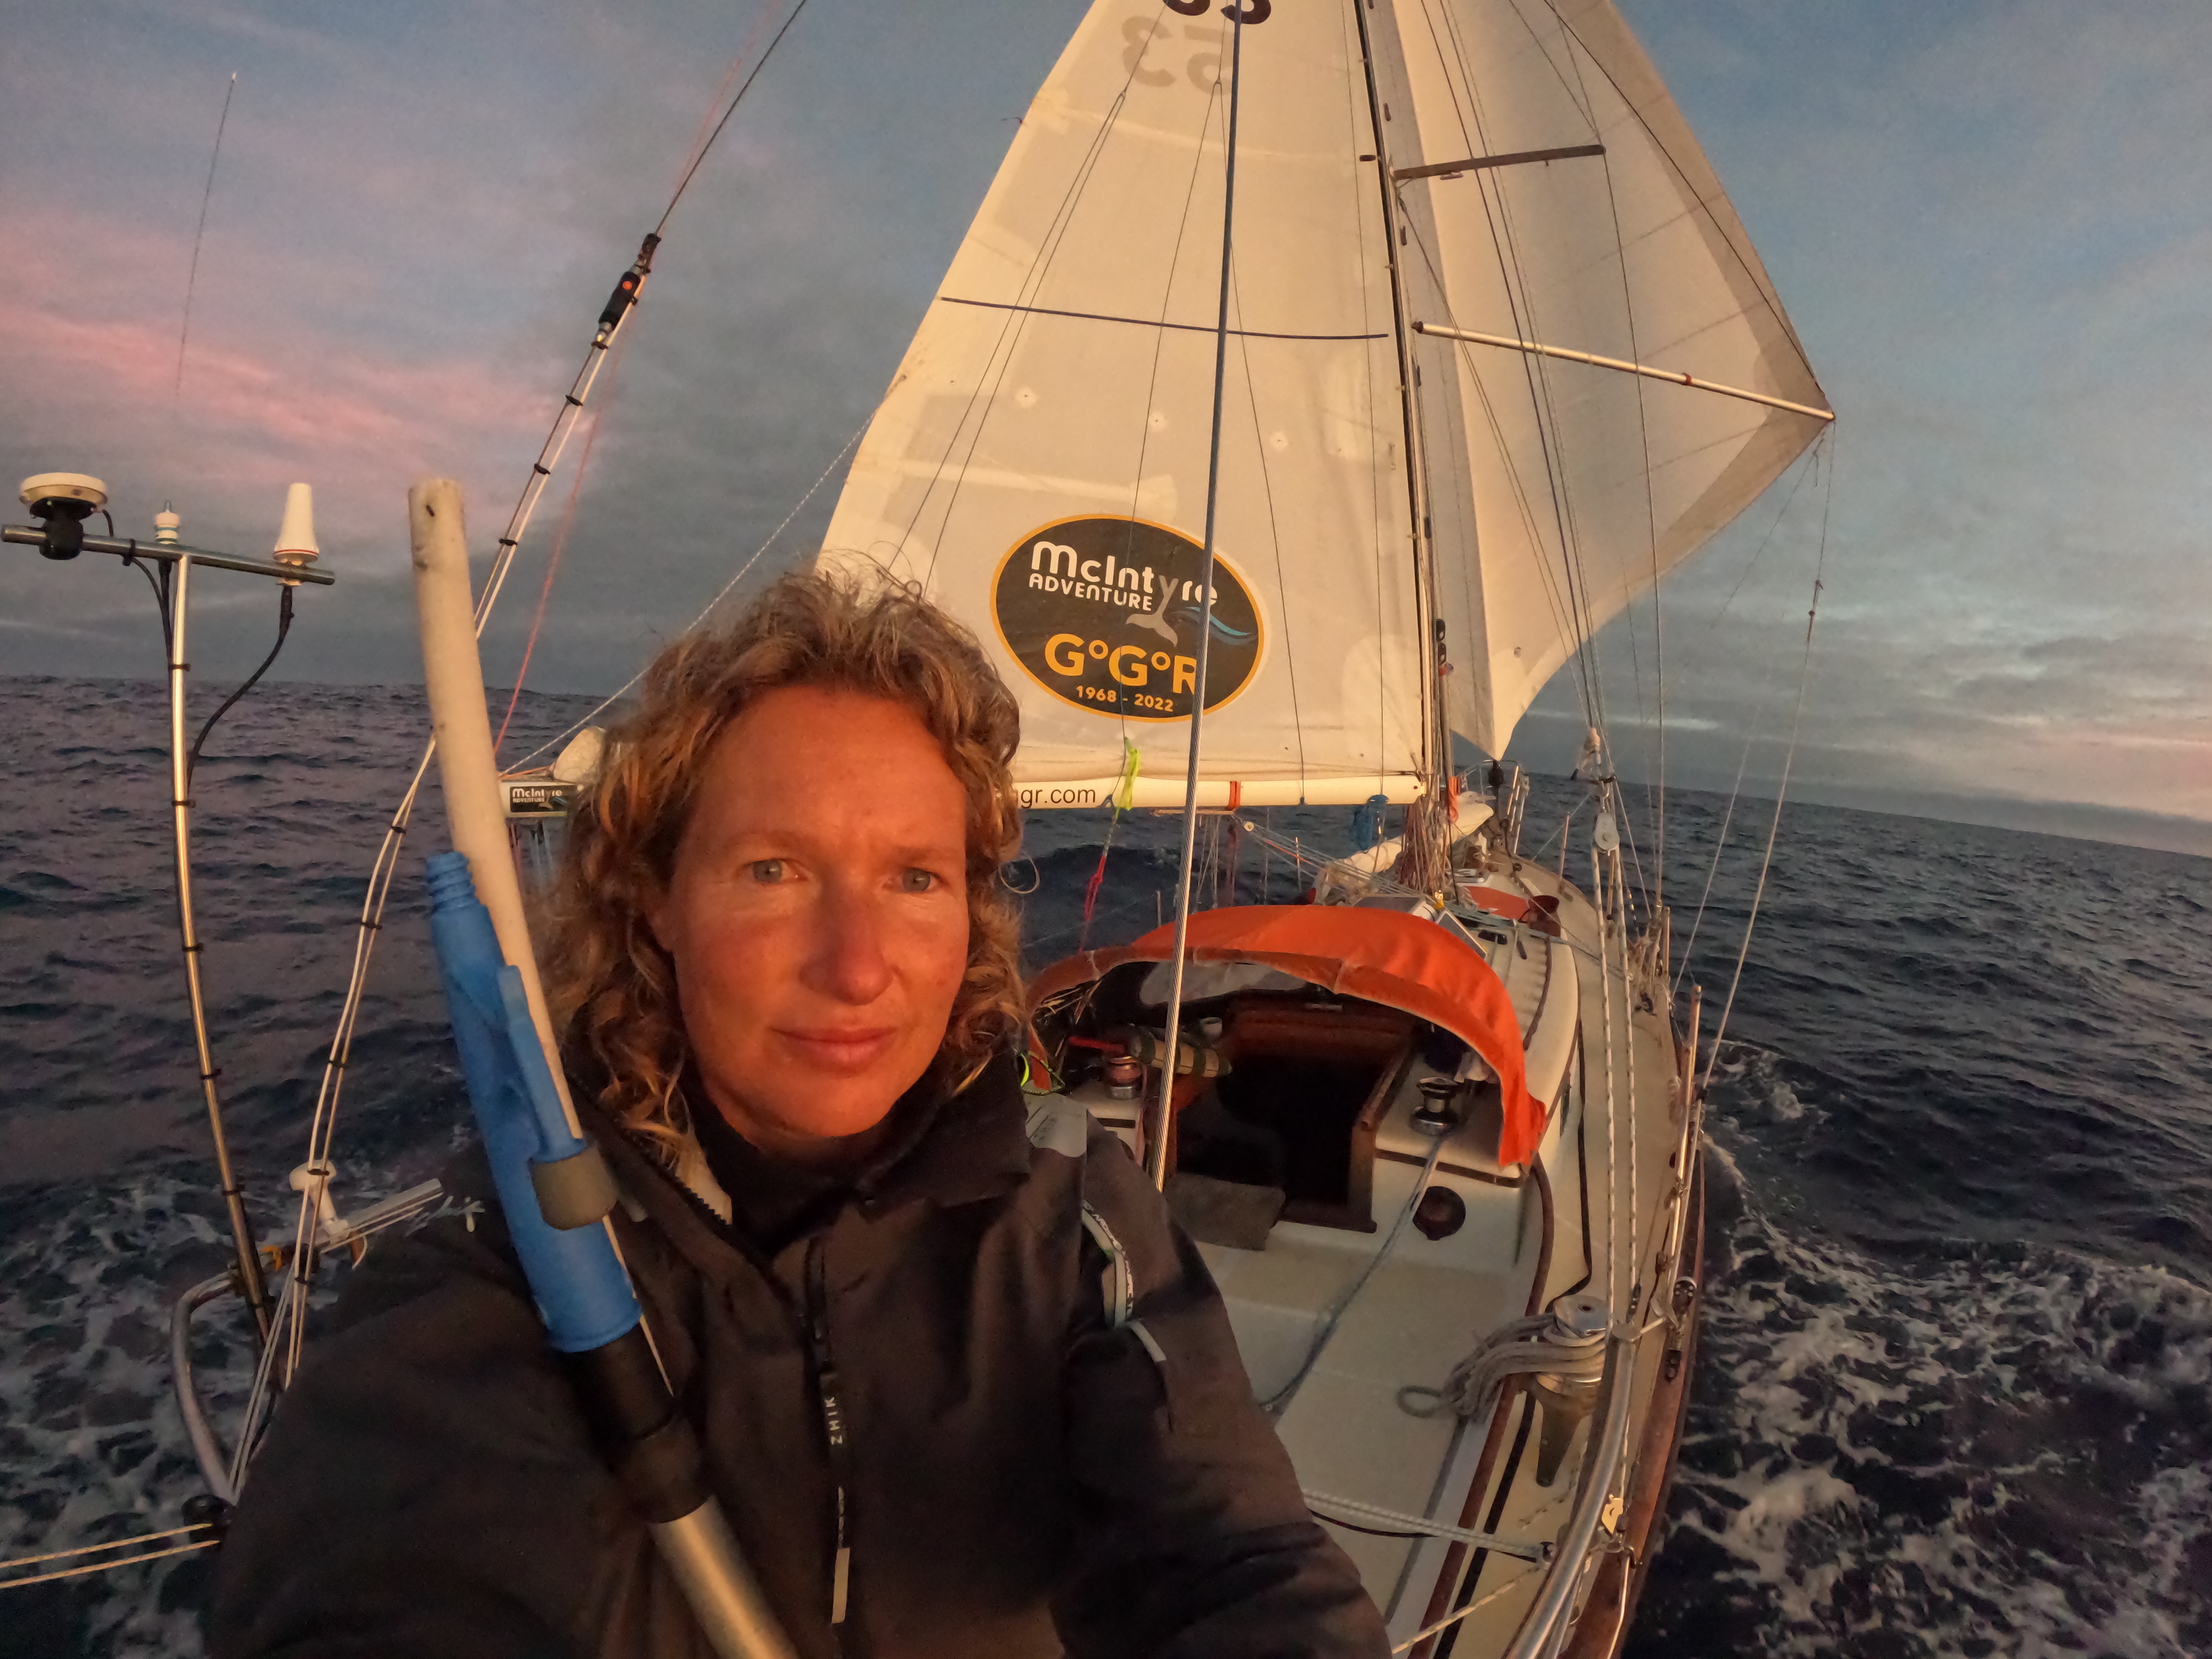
(1626, 825)
(1544, 420)
(1814, 458)
(1720, 843)
(1144, 435)
(1520, 300)
(323, 1125)
(1427, 835)
(1275, 536)
(1354, 37)
(702, 136)
(1547, 576)
(553, 561)
(995, 365)
(1745, 260)
(192, 277)
(723, 593)
(1658, 890)
(1818, 459)
(1603, 890)
(1466, 104)
(1156, 1143)
(691, 172)
(1774, 828)
(612, 320)
(1633, 1269)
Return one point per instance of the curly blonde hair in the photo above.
(611, 987)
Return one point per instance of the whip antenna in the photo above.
(684, 183)
(191, 279)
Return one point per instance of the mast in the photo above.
(1156, 1143)
(1435, 744)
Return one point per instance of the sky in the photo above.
(1991, 224)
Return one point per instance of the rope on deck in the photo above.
(1524, 1549)
(1458, 1613)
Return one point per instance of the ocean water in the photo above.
(1955, 1396)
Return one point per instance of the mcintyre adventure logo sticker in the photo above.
(1103, 613)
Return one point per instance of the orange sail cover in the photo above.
(1388, 957)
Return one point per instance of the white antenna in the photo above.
(296, 536)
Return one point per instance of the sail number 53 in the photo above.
(1204, 67)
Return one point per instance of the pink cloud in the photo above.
(287, 399)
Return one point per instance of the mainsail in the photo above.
(1040, 463)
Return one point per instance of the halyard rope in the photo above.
(1280, 1402)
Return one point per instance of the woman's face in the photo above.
(818, 915)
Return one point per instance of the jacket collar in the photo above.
(969, 1147)
(961, 1149)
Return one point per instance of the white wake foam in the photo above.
(1998, 1452)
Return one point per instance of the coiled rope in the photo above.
(1519, 1348)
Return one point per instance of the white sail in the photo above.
(1559, 491)
(1040, 463)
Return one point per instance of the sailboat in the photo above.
(1313, 385)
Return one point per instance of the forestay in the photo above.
(1040, 463)
(1560, 491)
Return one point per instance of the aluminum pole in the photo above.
(181, 810)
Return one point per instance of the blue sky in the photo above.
(1991, 223)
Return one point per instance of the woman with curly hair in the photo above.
(964, 1388)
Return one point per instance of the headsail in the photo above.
(1558, 491)
(1040, 463)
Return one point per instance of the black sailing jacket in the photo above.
(1024, 1478)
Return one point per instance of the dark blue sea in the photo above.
(1955, 1391)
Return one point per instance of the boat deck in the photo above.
(1340, 1305)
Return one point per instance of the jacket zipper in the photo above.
(825, 1366)
(813, 1320)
